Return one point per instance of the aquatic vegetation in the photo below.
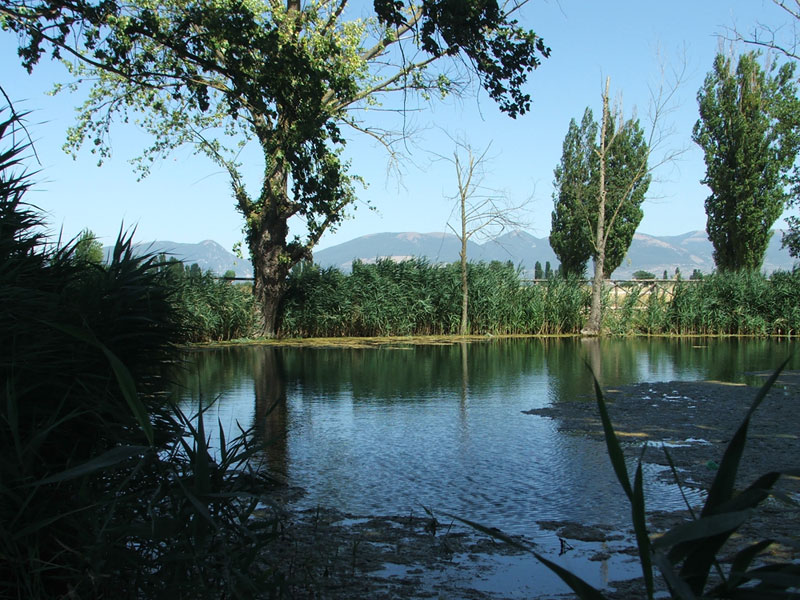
(414, 297)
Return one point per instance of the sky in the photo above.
(639, 46)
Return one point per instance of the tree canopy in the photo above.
(577, 192)
(288, 75)
(749, 130)
(88, 249)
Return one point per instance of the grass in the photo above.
(204, 308)
(415, 298)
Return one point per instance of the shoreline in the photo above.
(384, 341)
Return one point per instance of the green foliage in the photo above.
(749, 130)
(105, 489)
(791, 237)
(646, 275)
(415, 298)
(88, 249)
(206, 309)
(287, 75)
(737, 303)
(538, 273)
(577, 189)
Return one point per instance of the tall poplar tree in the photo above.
(749, 130)
(575, 192)
(288, 75)
(623, 164)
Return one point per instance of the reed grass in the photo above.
(206, 309)
(415, 297)
(106, 489)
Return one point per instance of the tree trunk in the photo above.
(272, 262)
(594, 325)
(464, 285)
(270, 276)
(596, 310)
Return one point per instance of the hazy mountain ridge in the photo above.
(208, 255)
(688, 251)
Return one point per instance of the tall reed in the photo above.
(414, 297)
(105, 489)
(204, 308)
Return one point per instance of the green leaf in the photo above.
(678, 586)
(124, 378)
(107, 459)
(612, 443)
(701, 529)
(722, 486)
(576, 584)
(743, 560)
(640, 527)
(490, 531)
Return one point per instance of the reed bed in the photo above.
(744, 303)
(414, 297)
(206, 309)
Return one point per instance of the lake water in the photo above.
(388, 430)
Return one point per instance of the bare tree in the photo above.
(781, 38)
(612, 196)
(484, 213)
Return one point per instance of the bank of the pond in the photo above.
(367, 341)
(414, 298)
(433, 340)
(337, 556)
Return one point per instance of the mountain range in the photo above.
(687, 252)
(208, 255)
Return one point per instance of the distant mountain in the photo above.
(656, 254)
(209, 256)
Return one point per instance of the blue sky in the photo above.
(187, 198)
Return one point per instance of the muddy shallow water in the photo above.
(435, 556)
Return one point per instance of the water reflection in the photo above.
(388, 430)
(271, 423)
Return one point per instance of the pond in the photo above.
(392, 429)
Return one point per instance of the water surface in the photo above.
(389, 430)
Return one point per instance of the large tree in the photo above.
(749, 130)
(287, 74)
(783, 38)
(575, 187)
(622, 163)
